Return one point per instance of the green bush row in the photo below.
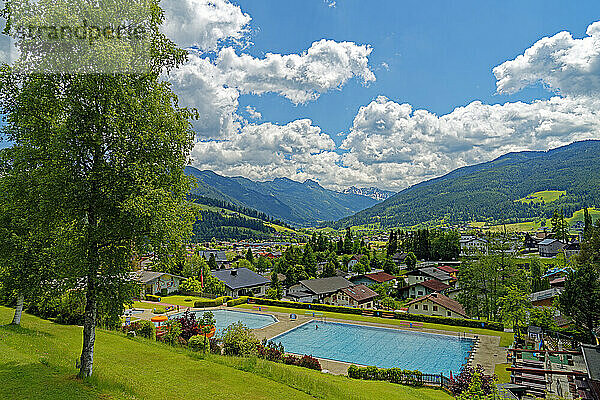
(212, 302)
(238, 301)
(151, 297)
(306, 306)
(470, 323)
(393, 375)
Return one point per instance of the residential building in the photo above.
(545, 298)
(158, 283)
(470, 245)
(373, 278)
(359, 296)
(317, 290)
(591, 359)
(436, 304)
(453, 272)
(242, 282)
(550, 247)
(399, 258)
(354, 260)
(572, 249)
(424, 274)
(423, 288)
(220, 257)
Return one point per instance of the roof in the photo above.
(591, 357)
(359, 293)
(239, 278)
(148, 276)
(547, 242)
(380, 277)
(220, 255)
(544, 294)
(400, 256)
(443, 301)
(573, 246)
(326, 285)
(448, 269)
(432, 272)
(434, 284)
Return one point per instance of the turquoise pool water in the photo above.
(225, 318)
(382, 347)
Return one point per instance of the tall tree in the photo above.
(109, 151)
(559, 226)
(249, 255)
(587, 223)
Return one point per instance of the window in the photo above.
(416, 306)
(449, 313)
(425, 306)
(435, 308)
(420, 293)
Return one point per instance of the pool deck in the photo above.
(488, 352)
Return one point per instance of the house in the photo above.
(436, 304)
(591, 359)
(423, 288)
(220, 257)
(530, 243)
(453, 272)
(374, 278)
(544, 298)
(242, 282)
(470, 245)
(424, 274)
(550, 247)
(572, 249)
(354, 260)
(399, 258)
(317, 290)
(158, 283)
(359, 296)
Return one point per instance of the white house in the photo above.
(471, 245)
(158, 283)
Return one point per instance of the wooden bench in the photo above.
(388, 315)
(367, 313)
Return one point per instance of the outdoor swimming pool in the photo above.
(225, 318)
(382, 347)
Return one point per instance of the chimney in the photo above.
(233, 272)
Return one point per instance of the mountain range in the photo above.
(297, 203)
(372, 192)
(489, 191)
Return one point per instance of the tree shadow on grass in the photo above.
(20, 330)
(39, 381)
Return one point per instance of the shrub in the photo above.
(238, 340)
(196, 343)
(151, 297)
(173, 331)
(212, 303)
(237, 302)
(146, 329)
(189, 325)
(159, 310)
(215, 347)
(309, 362)
(393, 375)
(270, 351)
(290, 360)
(463, 380)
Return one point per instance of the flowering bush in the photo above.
(393, 375)
(141, 328)
(238, 340)
(270, 351)
(196, 343)
(463, 381)
(189, 325)
(309, 362)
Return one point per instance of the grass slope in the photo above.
(37, 361)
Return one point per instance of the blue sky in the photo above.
(440, 53)
(382, 93)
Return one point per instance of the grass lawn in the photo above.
(502, 374)
(506, 338)
(545, 196)
(175, 300)
(517, 227)
(37, 361)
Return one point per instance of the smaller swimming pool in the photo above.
(225, 318)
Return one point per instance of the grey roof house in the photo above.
(242, 282)
(317, 290)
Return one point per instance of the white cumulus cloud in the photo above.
(565, 65)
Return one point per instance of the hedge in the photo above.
(237, 302)
(470, 323)
(393, 375)
(151, 297)
(212, 302)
